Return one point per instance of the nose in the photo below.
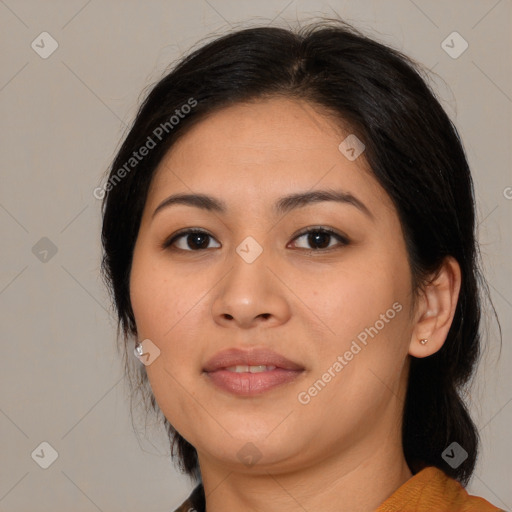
(250, 295)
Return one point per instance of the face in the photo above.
(324, 283)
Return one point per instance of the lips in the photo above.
(255, 357)
(250, 373)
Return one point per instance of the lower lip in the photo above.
(250, 384)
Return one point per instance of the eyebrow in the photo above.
(283, 205)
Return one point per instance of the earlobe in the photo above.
(436, 309)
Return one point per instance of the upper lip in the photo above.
(254, 357)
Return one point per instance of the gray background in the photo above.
(62, 119)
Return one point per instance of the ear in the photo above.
(435, 309)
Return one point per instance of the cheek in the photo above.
(159, 299)
(168, 311)
(366, 307)
(164, 313)
(355, 296)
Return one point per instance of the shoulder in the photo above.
(432, 489)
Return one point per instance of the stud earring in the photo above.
(424, 341)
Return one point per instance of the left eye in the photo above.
(193, 240)
(319, 238)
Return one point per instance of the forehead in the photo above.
(250, 152)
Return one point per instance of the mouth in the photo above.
(250, 373)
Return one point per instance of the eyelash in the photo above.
(318, 229)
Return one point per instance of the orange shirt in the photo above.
(429, 490)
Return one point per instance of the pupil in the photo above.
(317, 238)
(196, 241)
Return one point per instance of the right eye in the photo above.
(191, 240)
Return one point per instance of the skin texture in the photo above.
(342, 450)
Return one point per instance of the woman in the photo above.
(289, 237)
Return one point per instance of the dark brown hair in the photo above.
(413, 150)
